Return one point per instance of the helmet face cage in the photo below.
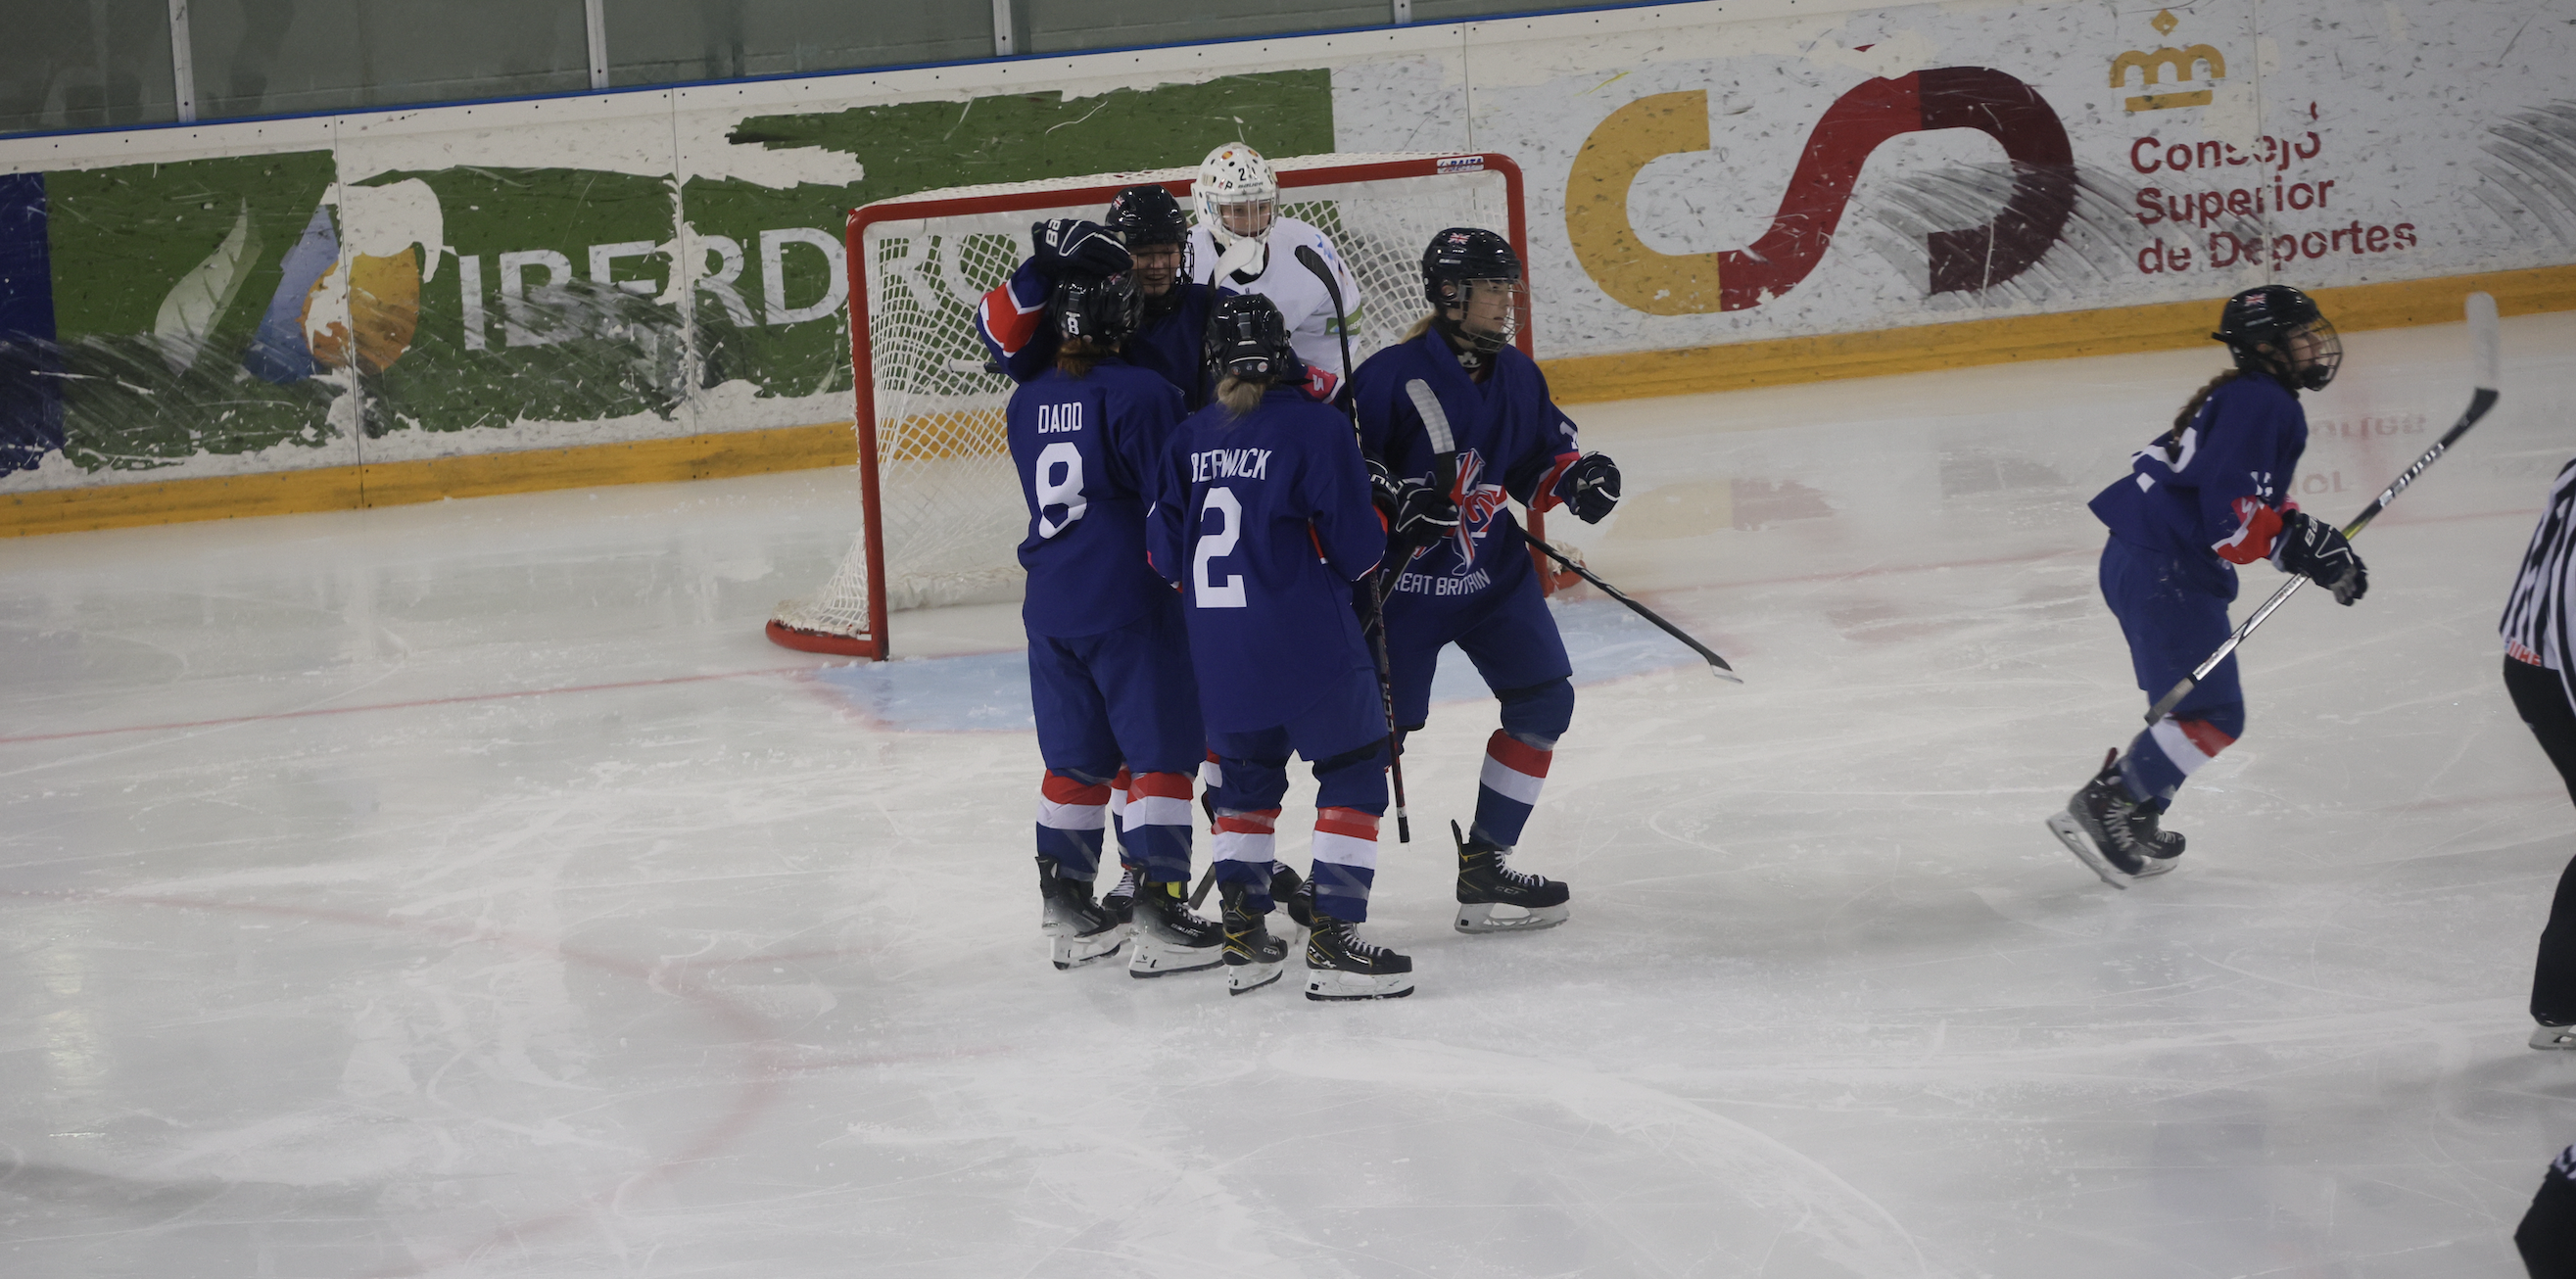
(1249, 339)
(1489, 311)
(1237, 194)
(1144, 217)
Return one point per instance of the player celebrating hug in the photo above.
(1264, 521)
(2204, 499)
(1144, 234)
(1462, 421)
(1108, 657)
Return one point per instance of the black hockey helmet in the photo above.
(1147, 214)
(1248, 338)
(1456, 258)
(2276, 331)
(1103, 310)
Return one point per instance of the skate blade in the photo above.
(2071, 834)
(1158, 959)
(1484, 917)
(1326, 985)
(1074, 952)
(2554, 1037)
(1241, 979)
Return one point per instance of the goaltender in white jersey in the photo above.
(1241, 245)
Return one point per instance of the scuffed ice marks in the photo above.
(2529, 177)
(1906, 220)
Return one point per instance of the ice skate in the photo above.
(1077, 928)
(2113, 834)
(1494, 898)
(1293, 894)
(1341, 966)
(2554, 1037)
(1169, 939)
(1120, 900)
(1252, 956)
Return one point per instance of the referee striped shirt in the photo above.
(2534, 627)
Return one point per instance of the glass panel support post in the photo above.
(183, 66)
(1001, 28)
(594, 21)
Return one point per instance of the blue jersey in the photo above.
(2217, 501)
(1512, 442)
(1264, 520)
(1012, 323)
(1087, 450)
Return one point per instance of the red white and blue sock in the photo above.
(1345, 862)
(2171, 750)
(1515, 770)
(1155, 826)
(1073, 810)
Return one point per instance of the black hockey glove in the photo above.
(1416, 513)
(1592, 487)
(1074, 245)
(2319, 552)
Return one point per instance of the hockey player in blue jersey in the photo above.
(2206, 498)
(1469, 580)
(1143, 225)
(1108, 655)
(1264, 520)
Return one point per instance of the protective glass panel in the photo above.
(672, 41)
(85, 64)
(1055, 26)
(271, 57)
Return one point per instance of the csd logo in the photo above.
(1965, 260)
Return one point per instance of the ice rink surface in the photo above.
(469, 889)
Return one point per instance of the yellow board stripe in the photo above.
(340, 488)
(1575, 380)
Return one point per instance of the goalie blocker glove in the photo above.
(2319, 552)
(1078, 247)
(1592, 487)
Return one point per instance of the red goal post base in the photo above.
(868, 639)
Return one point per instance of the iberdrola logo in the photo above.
(1964, 260)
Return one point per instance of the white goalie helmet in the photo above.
(1238, 195)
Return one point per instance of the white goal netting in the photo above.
(949, 507)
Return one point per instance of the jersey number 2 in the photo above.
(1216, 546)
(1065, 492)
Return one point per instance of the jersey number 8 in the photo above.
(1216, 546)
(1066, 492)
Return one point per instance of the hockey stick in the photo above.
(1375, 623)
(1717, 664)
(2483, 348)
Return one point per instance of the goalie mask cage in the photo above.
(941, 512)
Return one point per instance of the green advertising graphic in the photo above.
(227, 307)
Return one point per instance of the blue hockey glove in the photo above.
(2319, 552)
(1074, 245)
(1592, 487)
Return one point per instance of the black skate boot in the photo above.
(1120, 900)
(2112, 833)
(1252, 956)
(1341, 966)
(1293, 894)
(1169, 939)
(1494, 898)
(1079, 930)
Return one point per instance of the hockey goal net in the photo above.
(941, 508)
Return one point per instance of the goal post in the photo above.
(941, 513)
